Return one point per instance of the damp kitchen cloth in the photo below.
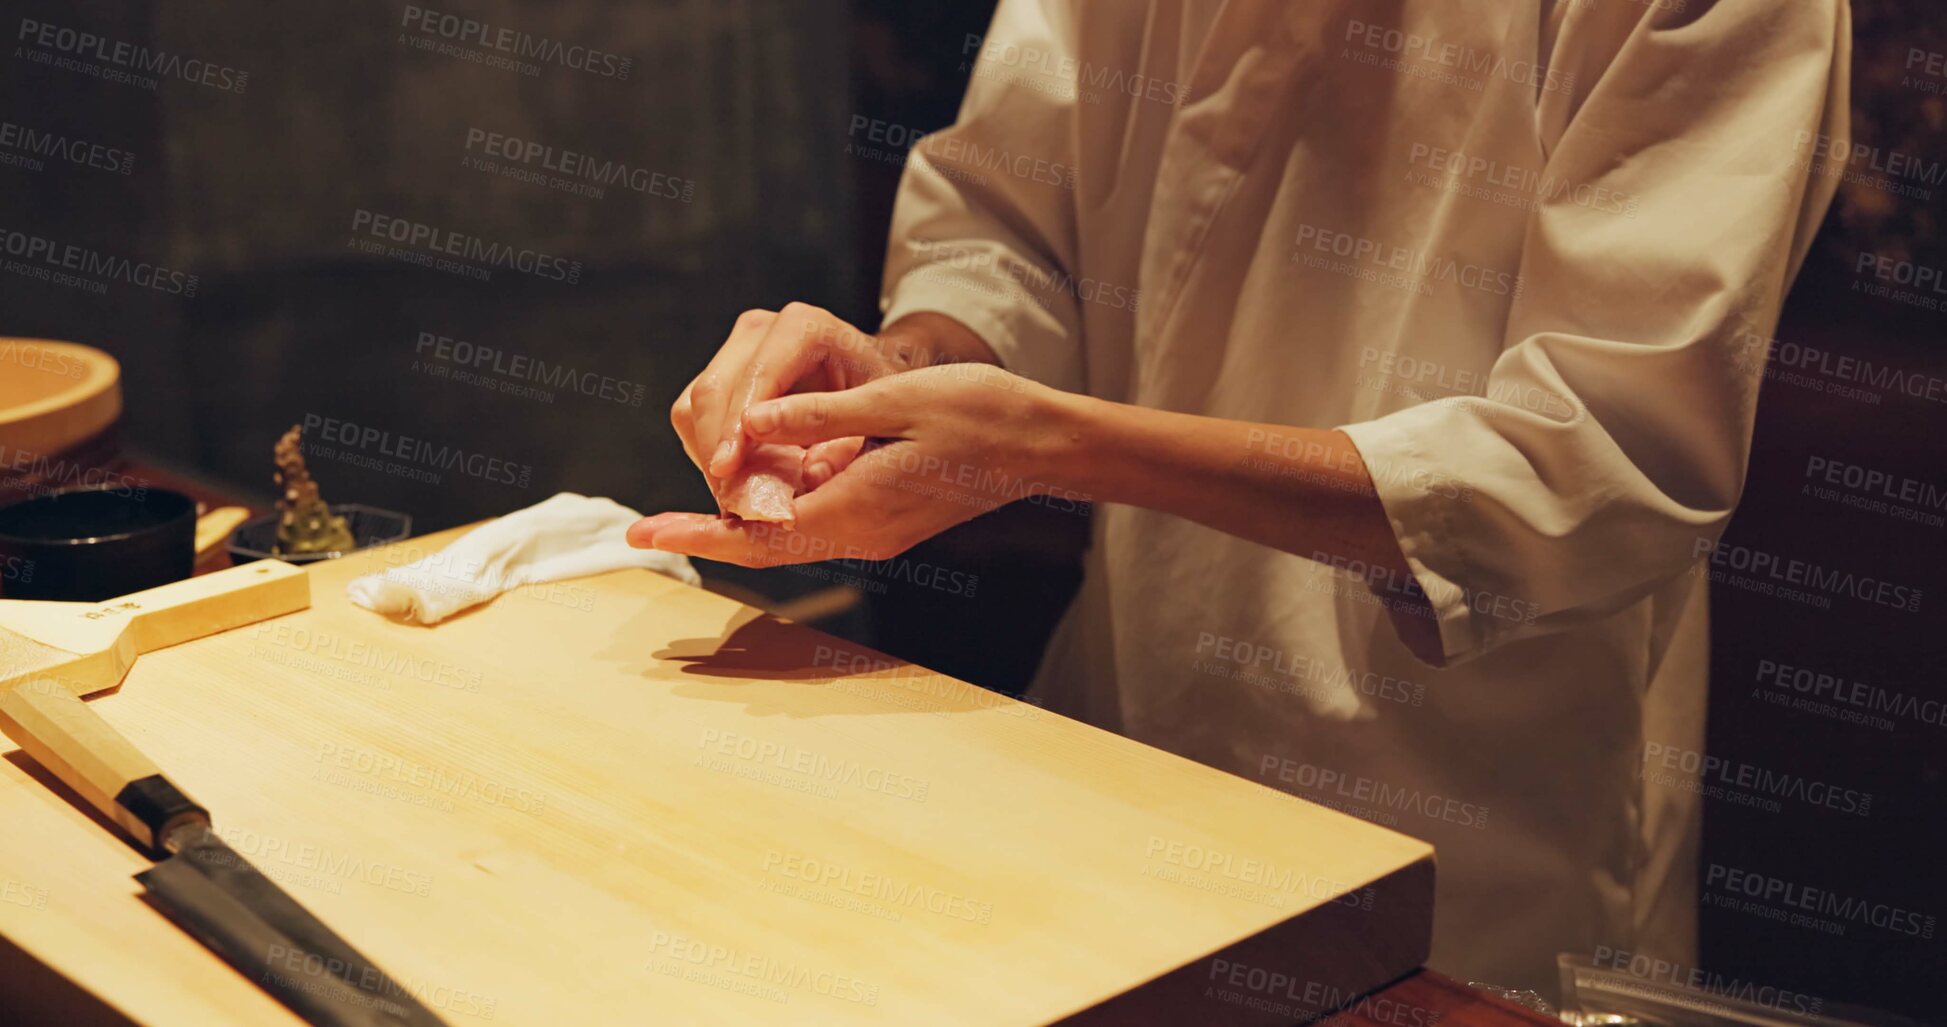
(566, 536)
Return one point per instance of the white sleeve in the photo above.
(988, 203)
(1575, 511)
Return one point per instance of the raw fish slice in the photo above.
(762, 489)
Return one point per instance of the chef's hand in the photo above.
(918, 452)
(769, 354)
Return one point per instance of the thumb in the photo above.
(874, 409)
(828, 458)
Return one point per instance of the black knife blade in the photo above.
(218, 896)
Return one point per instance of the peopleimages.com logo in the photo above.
(421, 243)
(1807, 905)
(36, 356)
(111, 59)
(380, 449)
(1791, 578)
(1696, 980)
(518, 373)
(86, 268)
(513, 45)
(567, 170)
(1746, 784)
(29, 145)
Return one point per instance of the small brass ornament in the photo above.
(305, 525)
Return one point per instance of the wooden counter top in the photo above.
(620, 799)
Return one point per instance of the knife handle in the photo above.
(170, 614)
(66, 735)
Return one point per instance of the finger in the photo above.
(792, 348)
(828, 458)
(877, 408)
(727, 540)
(682, 417)
(642, 534)
(832, 524)
(691, 534)
(711, 391)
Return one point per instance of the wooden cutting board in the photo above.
(621, 799)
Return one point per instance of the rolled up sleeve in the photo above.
(969, 228)
(1641, 326)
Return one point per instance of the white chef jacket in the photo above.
(1518, 250)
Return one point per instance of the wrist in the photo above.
(925, 338)
(1063, 453)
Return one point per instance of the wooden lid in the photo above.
(54, 396)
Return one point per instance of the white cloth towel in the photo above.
(566, 536)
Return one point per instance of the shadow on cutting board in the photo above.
(31, 767)
(755, 645)
(764, 662)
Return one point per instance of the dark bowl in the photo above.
(370, 526)
(96, 542)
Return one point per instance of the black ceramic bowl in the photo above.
(96, 542)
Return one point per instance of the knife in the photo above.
(205, 886)
(54, 652)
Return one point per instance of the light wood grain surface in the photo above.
(620, 799)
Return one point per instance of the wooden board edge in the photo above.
(1296, 970)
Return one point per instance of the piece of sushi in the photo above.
(762, 489)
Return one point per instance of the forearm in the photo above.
(1301, 490)
(1305, 491)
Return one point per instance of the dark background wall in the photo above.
(748, 110)
(256, 192)
(1857, 377)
